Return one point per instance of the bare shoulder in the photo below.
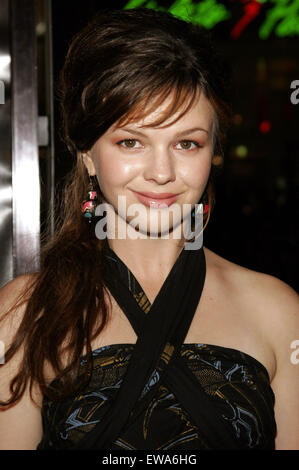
(20, 422)
(272, 304)
(12, 289)
(272, 299)
(13, 301)
(11, 295)
(12, 310)
(263, 287)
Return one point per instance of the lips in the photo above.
(156, 200)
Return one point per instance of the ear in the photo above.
(88, 162)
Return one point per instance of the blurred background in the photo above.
(254, 222)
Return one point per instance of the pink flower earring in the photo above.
(89, 205)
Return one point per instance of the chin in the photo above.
(154, 229)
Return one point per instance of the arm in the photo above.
(282, 315)
(20, 424)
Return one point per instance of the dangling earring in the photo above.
(203, 205)
(88, 206)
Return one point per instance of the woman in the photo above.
(136, 342)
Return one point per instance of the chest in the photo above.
(219, 319)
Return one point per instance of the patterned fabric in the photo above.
(234, 380)
(237, 385)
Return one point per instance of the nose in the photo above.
(160, 166)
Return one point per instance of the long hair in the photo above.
(122, 64)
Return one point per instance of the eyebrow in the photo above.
(178, 134)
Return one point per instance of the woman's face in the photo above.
(175, 159)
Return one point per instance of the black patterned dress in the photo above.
(162, 393)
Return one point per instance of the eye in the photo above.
(129, 143)
(187, 144)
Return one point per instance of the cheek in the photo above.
(196, 173)
(112, 172)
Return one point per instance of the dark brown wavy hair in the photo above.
(123, 64)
